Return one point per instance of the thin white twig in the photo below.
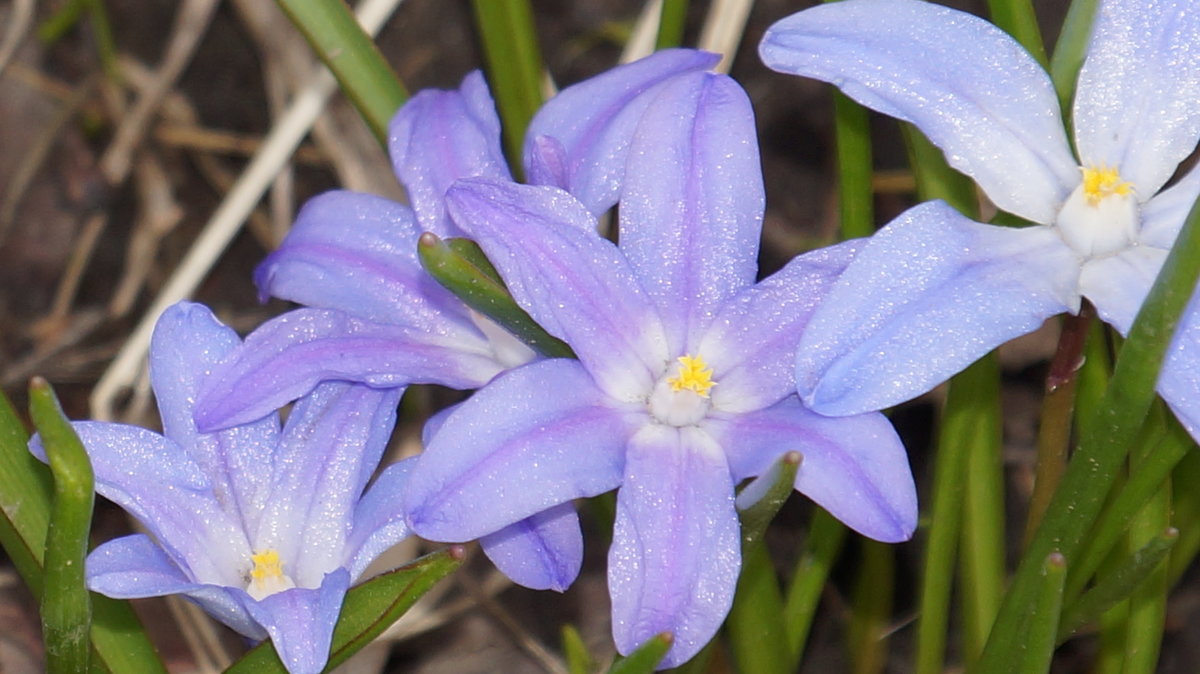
(19, 21)
(228, 219)
(723, 29)
(645, 32)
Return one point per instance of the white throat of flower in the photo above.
(680, 398)
(1101, 216)
(267, 576)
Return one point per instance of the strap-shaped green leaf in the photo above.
(646, 658)
(461, 266)
(66, 607)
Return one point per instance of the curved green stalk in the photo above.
(825, 537)
(671, 21)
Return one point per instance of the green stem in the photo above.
(873, 591)
(514, 67)
(978, 431)
(671, 22)
(825, 537)
(855, 193)
(1070, 51)
(1105, 443)
(1018, 19)
(365, 77)
(1038, 649)
(66, 607)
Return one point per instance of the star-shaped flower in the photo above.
(375, 316)
(933, 291)
(683, 386)
(264, 528)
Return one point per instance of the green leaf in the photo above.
(1037, 649)
(1104, 443)
(579, 658)
(671, 21)
(368, 610)
(825, 537)
(856, 194)
(755, 624)
(1069, 52)
(66, 607)
(1116, 586)
(514, 67)
(461, 266)
(1017, 18)
(350, 54)
(119, 644)
(760, 500)
(646, 658)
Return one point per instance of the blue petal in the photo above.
(924, 298)
(855, 467)
(1163, 215)
(575, 284)
(1179, 381)
(537, 436)
(188, 344)
(177, 505)
(676, 550)
(133, 567)
(357, 253)
(331, 445)
(751, 344)
(289, 355)
(1135, 105)
(379, 518)
(441, 136)
(542, 552)
(579, 139)
(1118, 284)
(964, 82)
(692, 205)
(300, 621)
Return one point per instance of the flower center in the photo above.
(1101, 216)
(680, 398)
(267, 576)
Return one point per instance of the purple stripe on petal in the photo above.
(357, 253)
(676, 549)
(289, 355)
(692, 207)
(536, 437)
(579, 139)
(188, 343)
(751, 344)
(964, 82)
(925, 297)
(1135, 104)
(331, 445)
(441, 136)
(855, 467)
(542, 552)
(575, 284)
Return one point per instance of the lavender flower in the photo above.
(375, 317)
(933, 291)
(683, 386)
(264, 528)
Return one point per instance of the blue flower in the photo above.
(683, 386)
(933, 291)
(264, 528)
(375, 317)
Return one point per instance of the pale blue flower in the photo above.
(265, 528)
(683, 386)
(374, 316)
(933, 291)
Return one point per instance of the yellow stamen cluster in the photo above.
(1102, 182)
(694, 375)
(267, 567)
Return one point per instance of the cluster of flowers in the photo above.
(690, 376)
